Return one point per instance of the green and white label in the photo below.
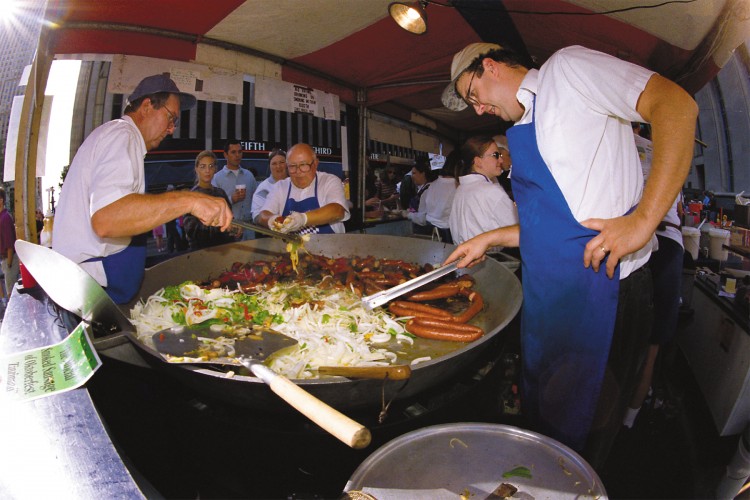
(49, 370)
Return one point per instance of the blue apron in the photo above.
(125, 270)
(569, 311)
(306, 205)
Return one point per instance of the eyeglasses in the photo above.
(469, 99)
(496, 155)
(174, 120)
(209, 166)
(303, 167)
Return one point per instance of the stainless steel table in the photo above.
(57, 446)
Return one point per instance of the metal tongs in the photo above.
(291, 238)
(378, 299)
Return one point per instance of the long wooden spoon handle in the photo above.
(391, 372)
(336, 423)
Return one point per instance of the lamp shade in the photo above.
(410, 16)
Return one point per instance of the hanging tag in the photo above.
(49, 370)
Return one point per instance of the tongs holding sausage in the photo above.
(380, 298)
(290, 238)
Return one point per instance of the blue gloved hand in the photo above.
(294, 222)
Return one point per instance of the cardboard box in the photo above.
(742, 215)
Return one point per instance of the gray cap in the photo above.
(161, 83)
(461, 61)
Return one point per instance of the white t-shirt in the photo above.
(435, 203)
(260, 195)
(479, 206)
(585, 102)
(107, 166)
(330, 190)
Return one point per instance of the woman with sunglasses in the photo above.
(198, 234)
(480, 203)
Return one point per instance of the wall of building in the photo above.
(18, 39)
(723, 165)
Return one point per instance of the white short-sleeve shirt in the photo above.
(107, 167)
(585, 103)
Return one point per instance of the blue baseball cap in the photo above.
(161, 83)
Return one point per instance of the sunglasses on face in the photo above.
(496, 155)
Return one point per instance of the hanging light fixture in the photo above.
(410, 15)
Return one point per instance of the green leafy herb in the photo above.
(179, 317)
(518, 472)
(173, 292)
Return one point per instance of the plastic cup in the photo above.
(27, 280)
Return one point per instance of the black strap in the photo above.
(664, 224)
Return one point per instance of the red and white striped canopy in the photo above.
(342, 46)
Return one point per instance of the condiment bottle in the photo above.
(45, 237)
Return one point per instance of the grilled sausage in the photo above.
(476, 303)
(443, 330)
(405, 308)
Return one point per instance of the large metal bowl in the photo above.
(472, 460)
(498, 285)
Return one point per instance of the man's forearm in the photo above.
(327, 214)
(672, 114)
(138, 213)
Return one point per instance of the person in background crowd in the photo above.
(435, 204)
(666, 272)
(158, 233)
(422, 176)
(407, 190)
(582, 207)
(307, 201)
(200, 235)
(480, 204)
(277, 167)
(9, 263)
(238, 183)
(39, 217)
(386, 195)
(104, 212)
(173, 235)
(371, 187)
(504, 178)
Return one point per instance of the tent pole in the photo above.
(28, 141)
(362, 112)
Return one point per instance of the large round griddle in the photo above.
(498, 285)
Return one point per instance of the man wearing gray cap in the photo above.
(103, 210)
(581, 205)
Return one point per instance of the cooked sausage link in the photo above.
(418, 309)
(443, 330)
(476, 303)
(439, 292)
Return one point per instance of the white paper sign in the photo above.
(303, 100)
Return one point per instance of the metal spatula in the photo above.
(291, 238)
(248, 351)
(199, 346)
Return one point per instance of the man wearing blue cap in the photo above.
(103, 210)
